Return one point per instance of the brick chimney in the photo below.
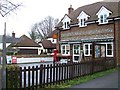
(70, 9)
(13, 34)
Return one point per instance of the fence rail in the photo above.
(44, 75)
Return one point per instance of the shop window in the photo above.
(109, 50)
(65, 49)
(87, 49)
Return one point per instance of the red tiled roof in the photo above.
(26, 42)
(47, 44)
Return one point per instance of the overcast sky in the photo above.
(32, 11)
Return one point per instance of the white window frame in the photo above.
(66, 21)
(66, 25)
(65, 49)
(104, 12)
(104, 19)
(82, 24)
(82, 18)
(89, 44)
(107, 50)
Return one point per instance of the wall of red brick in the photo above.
(117, 36)
(94, 27)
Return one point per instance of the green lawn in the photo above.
(82, 79)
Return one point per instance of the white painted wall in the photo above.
(54, 41)
(1, 45)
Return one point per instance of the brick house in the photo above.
(91, 32)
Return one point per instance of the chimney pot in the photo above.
(13, 34)
(70, 9)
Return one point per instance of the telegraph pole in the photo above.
(4, 59)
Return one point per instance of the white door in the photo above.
(76, 52)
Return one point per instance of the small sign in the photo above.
(55, 36)
(9, 59)
(14, 59)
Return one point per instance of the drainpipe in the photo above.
(114, 42)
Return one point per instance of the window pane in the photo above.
(67, 47)
(84, 22)
(76, 58)
(63, 47)
(101, 18)
(102, 51)
(86, 52)
(105, 18)
(67, 51)
(97, 51)
(109, 46)
(109, 52)
(67, 24)
(76, 51)
(86, 47)
(90, 49)
(63, 51)
(81, 22)
(109, 49)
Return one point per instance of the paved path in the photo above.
(0, 80)
(107, 81)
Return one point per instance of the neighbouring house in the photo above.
(9, 40)
(49, 44)
(25, 46)
(91, 32)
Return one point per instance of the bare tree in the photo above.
(44, 27)
(33, 34)
(7, 6)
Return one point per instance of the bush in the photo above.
(12, 76)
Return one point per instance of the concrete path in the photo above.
(0, 80)
(107, 81)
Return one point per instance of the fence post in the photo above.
(41, 69)
(29, 77)
(33, 69)
(51, 74)
(54, 74)
(92, 66)
(20, 77)
(24, 77)
(36, 77)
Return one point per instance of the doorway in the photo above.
(76, 52)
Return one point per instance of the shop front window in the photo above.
(65, 49)
(109, 50)
(88, 49)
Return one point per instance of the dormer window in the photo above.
(103, 14)
(82, 22)
(66, 25)
(103, 19)
(82, 18)
(66, 22)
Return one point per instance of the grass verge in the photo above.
(83, 79)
